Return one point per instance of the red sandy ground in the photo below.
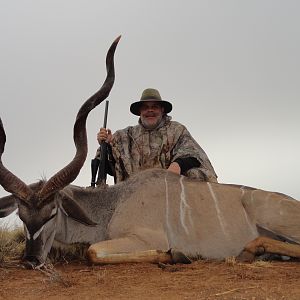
(199, 280)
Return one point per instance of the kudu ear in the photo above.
(7, 205)
(74, 210)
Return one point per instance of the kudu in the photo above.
(154, 216)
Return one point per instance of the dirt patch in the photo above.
(199, 280)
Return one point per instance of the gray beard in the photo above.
(158, 124)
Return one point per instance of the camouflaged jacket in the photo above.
(136, 148)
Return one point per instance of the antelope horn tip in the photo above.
(118, 38)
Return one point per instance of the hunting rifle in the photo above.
(98, 164)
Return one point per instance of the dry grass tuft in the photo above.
(12, 244)
(101, 276)
(67, 253)
(54, 276)
(262, 264)
(231, 260)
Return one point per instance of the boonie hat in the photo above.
(150, 95)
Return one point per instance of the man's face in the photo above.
(151, 114)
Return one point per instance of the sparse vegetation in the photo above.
(67, 253)
(12, 244)
(231, 260)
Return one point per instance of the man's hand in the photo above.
(104, 135)
(175, 168)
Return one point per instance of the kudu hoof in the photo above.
(178, 257)
(245, 256)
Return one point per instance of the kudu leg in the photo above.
(125, 250)
(130, 250)
(263, 245)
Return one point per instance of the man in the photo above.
(156, 142)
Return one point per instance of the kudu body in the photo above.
(155, 211)
(159, 210)
(154, 216)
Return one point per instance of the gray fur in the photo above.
(162, 210)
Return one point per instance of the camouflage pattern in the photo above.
(136, 148)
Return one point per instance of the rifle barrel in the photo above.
(105, 113)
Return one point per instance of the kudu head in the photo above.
(38, 204)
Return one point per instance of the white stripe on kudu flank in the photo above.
(252, 198)
(251, 226)
(184, 207)
(243, 191)
(219, 215)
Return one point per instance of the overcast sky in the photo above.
(231, 68)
